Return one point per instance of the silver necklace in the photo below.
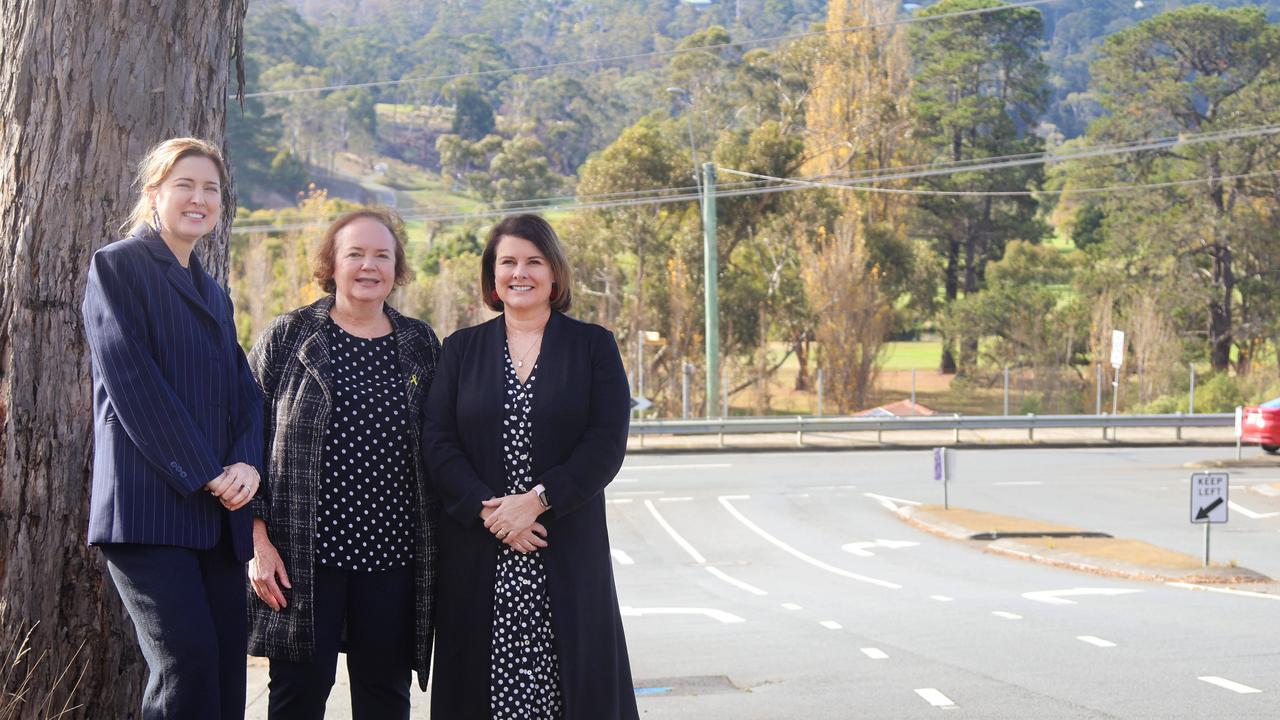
(525, 354)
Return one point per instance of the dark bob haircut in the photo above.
(327, 253)
(537, 231)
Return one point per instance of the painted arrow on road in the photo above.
(861, 549)
(1204, 511)
(1059, 597)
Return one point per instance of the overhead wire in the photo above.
(673, 195)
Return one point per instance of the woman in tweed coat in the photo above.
(344, 530)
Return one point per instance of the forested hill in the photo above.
(284, 139)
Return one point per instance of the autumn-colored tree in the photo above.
(858, 123)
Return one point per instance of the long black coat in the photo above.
(580, 415)
(291, 362)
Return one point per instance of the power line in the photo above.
(1004, 193)
(647, 55)
(876, 176)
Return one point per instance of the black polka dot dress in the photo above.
(364, 513)
(525, 676)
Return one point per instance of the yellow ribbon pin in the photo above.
(413, 379)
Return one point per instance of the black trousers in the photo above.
(189, 610)
(376, 609)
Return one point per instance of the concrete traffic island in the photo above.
(1074, 548)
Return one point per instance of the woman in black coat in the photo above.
(526, 424)
(344, 529)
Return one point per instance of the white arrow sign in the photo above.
(861, 549)
(1059, 597)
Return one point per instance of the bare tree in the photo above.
(85, 89)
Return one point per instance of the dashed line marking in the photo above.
(724, 500)
(830, 624)
(791, 606)
(1006, 615)
(693, 552)
(689, 466)
(621, 556)
(935, 698)
(674, 499)
(717, 572)
(1228, 684)
(1097, 641)
(941, 598)
(722, 616)
(619, 501)
(874, 653)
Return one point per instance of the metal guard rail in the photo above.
(801, 424)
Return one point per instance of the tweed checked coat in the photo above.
(291, 362)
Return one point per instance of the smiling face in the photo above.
(364, 267)
(522, 276)
(188, 201)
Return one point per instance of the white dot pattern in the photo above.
(525, 677)
(364, 513)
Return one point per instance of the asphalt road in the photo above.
(779, 586)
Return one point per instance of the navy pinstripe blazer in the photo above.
(173, 399)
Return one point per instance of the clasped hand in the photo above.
(236, 485)
(513, 519)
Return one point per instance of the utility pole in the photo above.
(710, 273)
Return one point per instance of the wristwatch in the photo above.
(541, 491)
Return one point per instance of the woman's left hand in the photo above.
(512, 514)
(244, 485)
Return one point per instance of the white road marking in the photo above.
(1006, 615)
(790, 606)
(1020, 482)
(621, 556)
(618, 501)
(735, 582)
(1226, 591)
(941, 598)
(724, 500)
(1059, 597)
(861, 548)
(830, 624)
(674, 499)
(890, 502)
(832, 487)
(1249, 513)
(874, 653)
(689, 466)
(796, 495)
(1228, 684)
(625, 480)
(1095, 641)
(935, 698)
(693, 552)
(722, 616)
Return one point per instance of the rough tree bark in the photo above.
(85, 90)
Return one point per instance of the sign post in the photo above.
(1117, 359)
(1239, 429)
(940, 462)
(1209, 499)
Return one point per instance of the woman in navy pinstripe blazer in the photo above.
(177, 435)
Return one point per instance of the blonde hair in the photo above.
(155, 167)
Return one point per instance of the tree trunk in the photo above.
(1220, 330)
(85, 90)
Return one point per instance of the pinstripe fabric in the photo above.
(291, 362)
(173, 399)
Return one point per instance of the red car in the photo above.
(1262, 425)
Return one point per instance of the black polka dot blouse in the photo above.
(364, 514)
(524, 669)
